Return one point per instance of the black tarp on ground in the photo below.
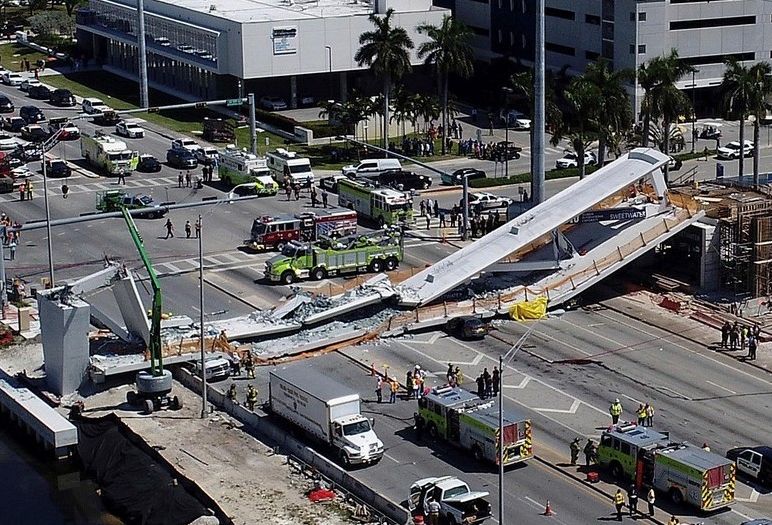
(135, 486)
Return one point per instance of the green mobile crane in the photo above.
(155, 385)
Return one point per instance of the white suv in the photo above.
(732, 150)
(130, 129)
(571, 160)
(185, 143)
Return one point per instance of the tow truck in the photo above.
(463, 419)
(685, 472)
(329, 257)
(116, 200)
(274, 232)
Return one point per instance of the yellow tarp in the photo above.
(535, 309)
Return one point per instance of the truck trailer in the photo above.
(685, 472)
(326, 410)
(465, 420)
(270, 232)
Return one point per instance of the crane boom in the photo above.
(156, 358)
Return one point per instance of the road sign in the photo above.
(231, 102)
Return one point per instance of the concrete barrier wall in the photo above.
(292, 446)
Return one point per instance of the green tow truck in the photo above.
(116, 200)
(375, 252)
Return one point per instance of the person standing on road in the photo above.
(619, 503)
(249, 366)
(393, 389)
(734, 336)
(252, 397)
(313, 196)
(421, 207)
(180, 178)
(419, 425)
(725, 329)
(651, 497)
(188, 229)
(121, 176)
(288, 190)
(22, 191)
(296, 189)
(752, 345)
(616, 411)
(641, 414)
(575, 448)
(589, 453)
(12, 248)
(198, 228)
(169, 229)
(29, 190)
(632, 498)
(188, 180)
(488, 383)
(379, 389)
(65, 190)
(743, 336)
(232, 394)
(409, 384)
(496, 378)
(649, 414)
(324, 197)
(481, 386)
(434, 512)
(436, 208)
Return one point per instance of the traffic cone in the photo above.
(548, 510)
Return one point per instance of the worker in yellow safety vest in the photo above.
(615, 410)
(619, 503)
(641, 413)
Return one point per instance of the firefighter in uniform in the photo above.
(232, 393)
(575, 448)
(590, 452)
(249, 366)
(251, 397)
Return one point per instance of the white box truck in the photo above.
(326, 410)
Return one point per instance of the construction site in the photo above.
(697, 251)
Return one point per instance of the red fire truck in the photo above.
(269, 232)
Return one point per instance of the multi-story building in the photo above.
(224, 48)
(626, 33)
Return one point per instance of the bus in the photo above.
(376, 203)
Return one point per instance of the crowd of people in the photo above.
(736, 337)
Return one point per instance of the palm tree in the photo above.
(403, 107)
(386, 52)
(349, 114)
(579, 122)
(757, 106)
(614, 112)
(741, 90)
(428, 107)
(647, 80)
(667, 101)
(449, 49)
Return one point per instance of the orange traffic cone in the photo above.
(548, 510)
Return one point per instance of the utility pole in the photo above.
(200, 230)
(537, 150)
(252, 124)
(144, 97)
(465, 211)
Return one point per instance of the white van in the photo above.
(286, 165)
(371, 167)
(93, 105)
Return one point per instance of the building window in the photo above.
(712, 22)
(557, 48)
(642, 16)
(479, 31)
(559, 13)
(608, 30)
(642, 49)
(592, 19)
(717, 59)
(591, 55)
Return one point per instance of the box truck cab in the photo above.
(326, 410)
(288, 167)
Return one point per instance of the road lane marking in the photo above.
(391, 458)
(740, 514)
(753, 498)
(632, 399)
(523, 384)
(574, 407)
(721, 387)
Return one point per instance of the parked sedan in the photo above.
(6, 106)
(28, 83)
(467, 327)
(62, 97)
(732, 150)
(31, 114)
(273, 103)
(457, 177)
(57, 168)
(39, 92)
(11, 78)
(148, 164)
(488, 201)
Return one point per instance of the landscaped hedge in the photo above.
(274, 119)
(526, 177)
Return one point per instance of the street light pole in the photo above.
(48, 217)
(329, 65)
(200, 232)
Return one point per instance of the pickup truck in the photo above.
(458, 504)
(114, 200)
